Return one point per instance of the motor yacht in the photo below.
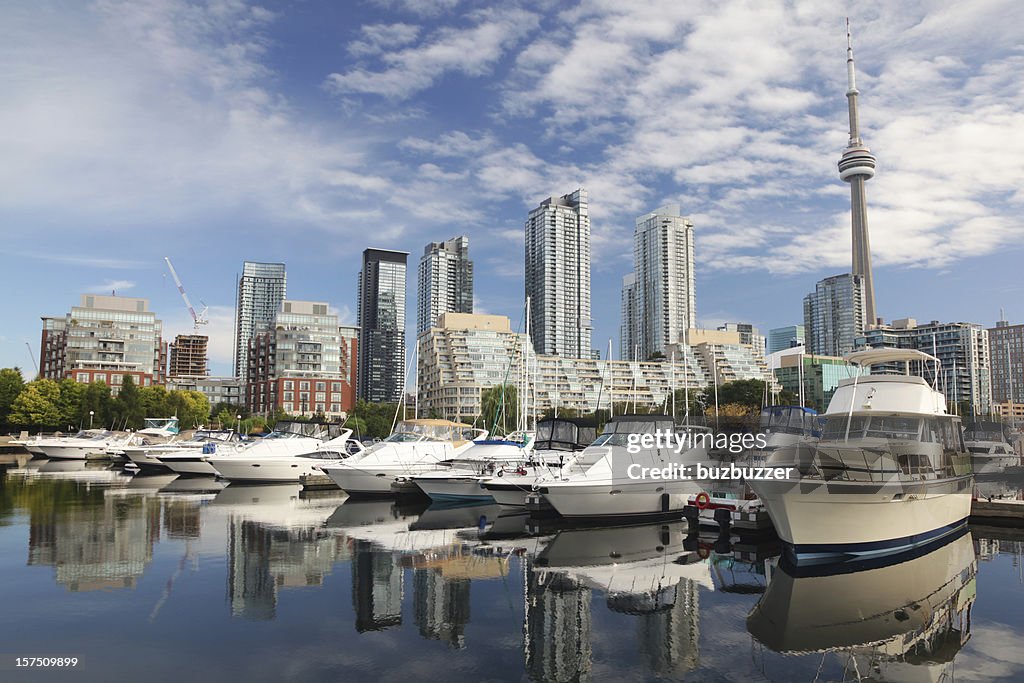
(989, 445)
(461, 479)
(415, 447)
(79, 446)
(147, 456)
(889, 473)
(254, 465)
(557, 440)
(612, 476)
(784, 426)
(188, 458)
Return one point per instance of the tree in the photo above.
(128, 412)
(656, 356)
(192, 408)
(37, 404)
(11, 384)
(70, 403)
(499, 408)
(96, 399)
(155, 402)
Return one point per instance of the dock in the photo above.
(318, 482)
(997, 511)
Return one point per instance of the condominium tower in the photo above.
(1006, 349)
(834, 315)
(261, 290)
(558, 275)
(381, 320)
(445, 281)
(663, 301)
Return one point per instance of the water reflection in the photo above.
(515, 597)
(897, 622)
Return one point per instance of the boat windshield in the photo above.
(288, 429)
(789, 420)
(407, 431)
(213, 435)
(617, 432)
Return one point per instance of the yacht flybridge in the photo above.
(889, 473)
(415, 447)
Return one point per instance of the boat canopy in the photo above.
(565, 433)
(433, 430)
(869, 357)
(790, 420)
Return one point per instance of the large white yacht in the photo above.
(463, 479)
(989, 445)
(415, 447)
(77, 447)
(289, 438)
(255, 464)
(889, 473)
(188, 457)
(147, 456)
(606, 479)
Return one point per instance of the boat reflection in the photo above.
(897, 622)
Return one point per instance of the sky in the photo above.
(304, 131)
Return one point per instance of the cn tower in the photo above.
(856, 166)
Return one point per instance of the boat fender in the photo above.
(501, 473)
(702, 501)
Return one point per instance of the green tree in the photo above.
(37, 404)
(499, 408)
(70, 403)
(192, 408)
(155, 402)
(96, 399)
(128, 413)
(11, 384)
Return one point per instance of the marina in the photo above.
(335, 585)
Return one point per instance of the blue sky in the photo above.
(305, 131)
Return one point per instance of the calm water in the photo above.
(162, 579)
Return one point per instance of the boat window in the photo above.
(835, 427)
(978, 449)
(899, 428)
(915, 463)
(404, 437)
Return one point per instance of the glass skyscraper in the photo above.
(381, 315)
(445, 281)
(261, 290)
(834, 315)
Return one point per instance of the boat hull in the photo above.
(633, 498)
(454, 488)
(55, 452)
(189, 465)
(844, 521)
(268, 469)
(376, 480)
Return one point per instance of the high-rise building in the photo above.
(820, 376)
(558, 275)
(1006, 351)
(856, 167)
(188, 356)
(964, 372)
(782, 338)
(445, 281)
(663, 288)
(295, 363)
(382, 325)
(834, 315)
(103, 339)
(261, 289)
(748, 334)
(628, 332)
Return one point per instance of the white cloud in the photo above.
(470, 51)
(379, 37)
(111, 286)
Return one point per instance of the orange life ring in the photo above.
(702, 501)
(703, 552)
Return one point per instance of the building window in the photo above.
(335, 408)
(289, 385)
(321, 386)
(321, 396)
(335, 386)
(304, 386)
(82, 377)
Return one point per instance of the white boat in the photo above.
(255, 465)
(557, 440)
(989, 445)
(147, 456)
(188, 458)
(462, 479)
(784, 426)
(415, 447)
(889, 473)
(77, 447)
(901, 621)
(608, 480)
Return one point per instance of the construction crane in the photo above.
(33, 357)
(197, 320)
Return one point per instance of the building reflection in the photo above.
(556, 632)
(377, 588)
(264, 559)
(669, 630)
(441, 606)
(101, 543)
